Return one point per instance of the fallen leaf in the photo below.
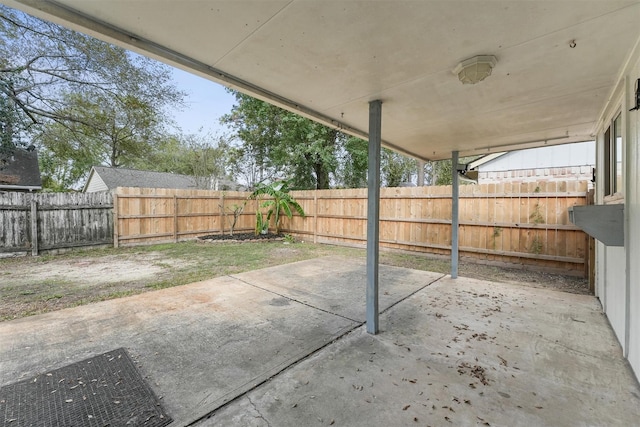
(405, 407)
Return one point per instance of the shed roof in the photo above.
(19, 170)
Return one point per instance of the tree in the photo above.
(276, 143)
(13, 126)
(352, 172)
(205, 157)
(42, 63)
(69, 88)
(256, 125)
(280, 201)
(396, 169)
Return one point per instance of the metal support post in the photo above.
(373, 214)
(455, 198)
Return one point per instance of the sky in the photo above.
(206, 103)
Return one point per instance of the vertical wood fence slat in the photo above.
(175, 218)
(315, 217)
(34, 228)
(116, 223)
(221, 220)
(38, 222)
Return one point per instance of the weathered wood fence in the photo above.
(525, 224)
(34, 222)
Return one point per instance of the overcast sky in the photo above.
(206, 103)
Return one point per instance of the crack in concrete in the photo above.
(257, 410)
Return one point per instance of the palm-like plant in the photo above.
(279, 202)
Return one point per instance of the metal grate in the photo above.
(105, 390)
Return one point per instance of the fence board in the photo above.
(517, 223)
(62, 220)
(524, 224)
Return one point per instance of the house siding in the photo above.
(555, 163)
(95, 183)
(632, 207)
(618, 278)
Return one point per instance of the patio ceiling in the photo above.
(328, 59)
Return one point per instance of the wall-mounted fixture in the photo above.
(637, 107)
(467, 174)
(476, 69)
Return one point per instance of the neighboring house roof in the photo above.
(103, 178)
(19, 171)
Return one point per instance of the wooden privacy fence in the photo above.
(512, 223)
(150, 215)
(34, 222)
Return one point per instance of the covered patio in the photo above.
(250, 350)
(398, 73)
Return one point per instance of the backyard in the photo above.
(33, 285)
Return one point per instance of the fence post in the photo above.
(116, 222)
(175, 218)
(34, 227)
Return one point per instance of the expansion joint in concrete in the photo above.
(412, 294)
(295, 300)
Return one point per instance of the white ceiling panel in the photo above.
(328, 59)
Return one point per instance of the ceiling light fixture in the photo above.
(476, 69)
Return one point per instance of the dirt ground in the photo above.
(31, 285)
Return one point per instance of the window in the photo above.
(617, 147)
(613, 157)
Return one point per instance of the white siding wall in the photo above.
(618, 278)
(615, 290)
(555, 156)
(95, 184)
(632, 207)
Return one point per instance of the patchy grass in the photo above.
(41, 284)
(53, 282)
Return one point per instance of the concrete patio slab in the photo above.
(199, 345)
(203, 344)
(337, 284)
(284, 346)
(461, 353)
